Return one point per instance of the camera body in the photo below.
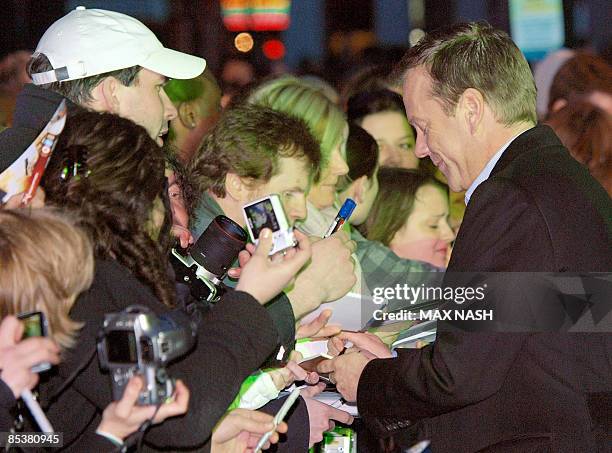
(139, 342)
(204, 265)
(268, 212)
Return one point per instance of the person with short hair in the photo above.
(531, 208)
(198, 106)
(375, 264)
(253, 152)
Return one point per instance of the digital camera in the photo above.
(136, 341)
(204, 265)
(268, 212)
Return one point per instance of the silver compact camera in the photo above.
(268, 212)
(136, 341)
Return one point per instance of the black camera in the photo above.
(139, 342)
(204, 265)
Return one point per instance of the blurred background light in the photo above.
(273, 49)
(243, 42)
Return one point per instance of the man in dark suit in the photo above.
(470, 95)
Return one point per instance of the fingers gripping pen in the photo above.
(343, 215)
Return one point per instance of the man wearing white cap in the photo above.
(108, 61)
(104, 61)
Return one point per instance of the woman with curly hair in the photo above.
(109, 173)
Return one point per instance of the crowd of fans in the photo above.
(149, 158)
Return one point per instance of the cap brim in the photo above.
(173, 64)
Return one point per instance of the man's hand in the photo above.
(328, 277)
(18, 357)
(360, 340)
(345, 371)
(321, 415)
(240, 430)
(318, 327)
(122, 418)
(264, 277)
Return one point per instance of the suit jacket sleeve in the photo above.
(463, 368)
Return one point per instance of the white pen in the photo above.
(280, 415)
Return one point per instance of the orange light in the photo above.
(273, 49)
(243, 42)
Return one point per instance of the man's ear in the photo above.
(237, 188)
(472, 105)
(557, 105)
(109, 94)
(188, 114)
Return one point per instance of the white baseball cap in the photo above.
(87, 42)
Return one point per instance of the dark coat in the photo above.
(513, 392)
(213, 371)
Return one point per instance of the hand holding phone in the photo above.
(35, 325)
(268, 212)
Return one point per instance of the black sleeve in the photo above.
(7, 401)
(457, 370)
(281, 312)
(234, 338)
(453, 372)
(297, 438)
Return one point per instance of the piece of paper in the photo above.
(17, 178)
(334, 399)
(352, 311)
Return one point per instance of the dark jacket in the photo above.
(513, 392)
(228, 350)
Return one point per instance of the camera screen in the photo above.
(32, 325)
(121, 346)
(261, 215)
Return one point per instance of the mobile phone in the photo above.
(35, 325)
(268, 212)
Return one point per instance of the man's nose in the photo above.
(170, 111)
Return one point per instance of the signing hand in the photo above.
(345, 371)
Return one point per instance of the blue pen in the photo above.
(343, 215)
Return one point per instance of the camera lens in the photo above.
(218, 247)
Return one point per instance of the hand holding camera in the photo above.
(122, 418)
(19, 358)
(264, 277)
(136, 342)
